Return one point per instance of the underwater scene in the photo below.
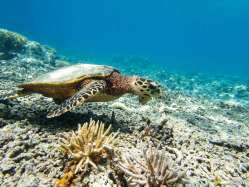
(124, 93)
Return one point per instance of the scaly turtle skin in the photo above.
(74, 85)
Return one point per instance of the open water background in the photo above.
(184, 36)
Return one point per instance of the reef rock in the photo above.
(11, 43)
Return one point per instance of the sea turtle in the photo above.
(74, 85)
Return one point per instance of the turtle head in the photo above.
(146, 89)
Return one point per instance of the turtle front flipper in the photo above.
(79, 98)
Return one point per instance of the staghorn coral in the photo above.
(153, 170)
(89, 144)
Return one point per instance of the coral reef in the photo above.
(89, 144)
(153, 170)
(35, 50)
(202, 124)
(11, 43)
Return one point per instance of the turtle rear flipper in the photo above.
(79, 98)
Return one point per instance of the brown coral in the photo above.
(66, 180)
(153, 170)
(89, 144)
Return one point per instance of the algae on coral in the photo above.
(11, 43)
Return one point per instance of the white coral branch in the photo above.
(151, 170)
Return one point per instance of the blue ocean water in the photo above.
(187, 36)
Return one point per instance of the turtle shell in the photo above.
(63, 83)
(74, 73)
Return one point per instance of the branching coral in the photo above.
(89, 144)
(151, 171)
